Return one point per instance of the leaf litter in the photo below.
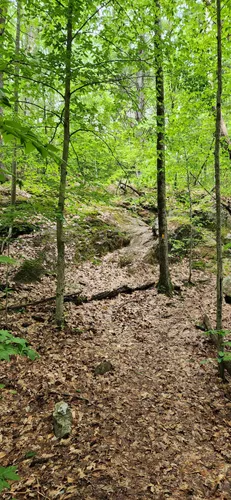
(156, 426)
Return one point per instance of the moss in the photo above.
(94, 238)
(19, 227)
(199, 264)
(29, 272)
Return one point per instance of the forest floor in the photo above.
(156, 427)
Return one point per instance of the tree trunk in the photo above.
(2, 28)
(16, 97)
(63, 174)
(164, 284)
(191, 222)
(217, 178)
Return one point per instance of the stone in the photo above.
(62, 420)
(103, 368)
(227, 285)
(30, 272)
(227, 289)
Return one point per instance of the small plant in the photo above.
(12, 346)
(223, 357)
(7, 260)
(7, 474)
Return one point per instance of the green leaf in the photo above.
(3, 177)
(11, 346)
(7, 474)
(7, 260)
(29, 147)
(4, 100)
(227, 356)
(205, 361)
(12, 129)
(30, 454)
(3, 484)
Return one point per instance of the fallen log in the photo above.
(78, 299)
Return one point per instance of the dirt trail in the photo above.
(157, 427)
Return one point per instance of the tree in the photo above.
(16, 98)
(218, 182)
(63, 171)
(164, 284)
(2, 28)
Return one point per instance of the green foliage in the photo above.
(13, 346)
(4, 101)
(30, 454)
(7, 260)
(223, 355)
(13, 129)
(221, 333)
(7, 474)
(182, 238)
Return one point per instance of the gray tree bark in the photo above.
(63, 173)
(164, 284)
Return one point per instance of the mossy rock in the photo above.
(5, 196)
(30, 272)
(205, 218)
(19, 228)
(180, 240)
(199, 265)
(182, 196)
(96, 238)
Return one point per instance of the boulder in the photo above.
(62, 420)
(30, 271)
(179, 240)
(227, 289)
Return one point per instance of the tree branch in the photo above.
(89, 18)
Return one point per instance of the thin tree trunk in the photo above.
(217, 178)
(2, 29)
(16, 97)
(164, 284)
(191, 226)
(63, 174)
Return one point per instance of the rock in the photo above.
(227, 289)
(62, 420)
(227, 285)
(179, 240)
(227, 245)
(103, 368)
(205, 217)
(155, 229)
(29, 272)
(227, 238)
(95, 237)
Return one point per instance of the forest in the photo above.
(115, 249)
